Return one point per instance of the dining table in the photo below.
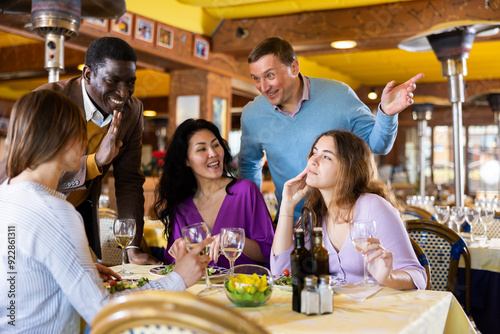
(356, 310)
(485, 284)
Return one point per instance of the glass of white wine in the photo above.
(124, 230)
(360, 231)
(193, 235)
(232, 242)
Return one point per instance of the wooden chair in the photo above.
(111, 252)
(414, 212)
(422, 258)
(443, 247)
(169, 312)
(494, 228)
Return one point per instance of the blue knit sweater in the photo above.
(287, 141)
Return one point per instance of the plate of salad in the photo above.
(284, 281)
(213, 271)
(116, 286)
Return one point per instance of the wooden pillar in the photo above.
(209, 87)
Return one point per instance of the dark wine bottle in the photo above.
(297, 258)
(321, 262)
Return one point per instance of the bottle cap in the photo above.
(324, 279)
(311, 280)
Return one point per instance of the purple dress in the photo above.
(348, 262)
(244, 208)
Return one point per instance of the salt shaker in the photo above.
(325, 295)
(309, 303)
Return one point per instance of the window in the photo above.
(483, 160)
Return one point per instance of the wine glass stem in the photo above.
(207, 280)
(365, 270)
(231, 265)
(123, 259)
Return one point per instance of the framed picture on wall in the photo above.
(99, 24)
(123, 25)
(201, 47)
(144, 29)
(164, 36)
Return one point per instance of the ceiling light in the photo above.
(343, 44)
(149, 113)
(372, 95)
(81, 66)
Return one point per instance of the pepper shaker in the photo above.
(325, 295)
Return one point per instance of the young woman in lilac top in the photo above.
(197, 185)
(341, 184)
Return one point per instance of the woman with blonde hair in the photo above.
(341, 185)
(53, 280)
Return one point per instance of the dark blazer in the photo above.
(126, 165)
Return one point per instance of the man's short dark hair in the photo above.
(276, 46)
(108, 48)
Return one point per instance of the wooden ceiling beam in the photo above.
(473, 88)
(30, 57)
(180, 57)
(374, 27)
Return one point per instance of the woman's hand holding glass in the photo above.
(379, 260)
(192, 266)
(193, 235)
(178, 249)
(361, 233)
(232, 242)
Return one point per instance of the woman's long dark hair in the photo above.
(356, 175)
(177, 181)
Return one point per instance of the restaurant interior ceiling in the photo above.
(235, 27)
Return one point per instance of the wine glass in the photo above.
(232, 241)
(124, 230)
(472, 217)
(193, 235)
(442, 213)
(360, 231)
(487, 215)
(457, 215)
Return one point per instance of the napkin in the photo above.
(358, 294)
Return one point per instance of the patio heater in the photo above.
(422, 112)
(451, 46)
(59, 20)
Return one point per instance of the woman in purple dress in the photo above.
(197, 185)
(341, 184)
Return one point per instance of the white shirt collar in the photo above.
(91, 112)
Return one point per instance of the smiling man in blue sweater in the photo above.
(294, 109)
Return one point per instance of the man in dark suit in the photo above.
(114, 127)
